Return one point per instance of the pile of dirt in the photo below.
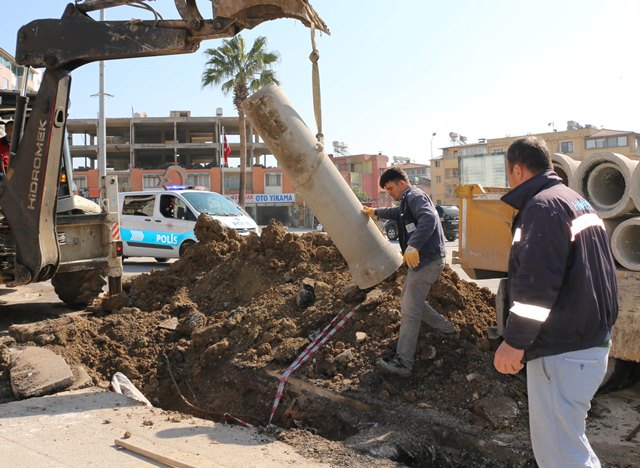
(229, 317)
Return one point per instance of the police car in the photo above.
(160, 223)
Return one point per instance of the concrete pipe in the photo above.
(625, 243)
(635, 187)
(611, 224)
(565, 166)
(371, 258)
(605, 180)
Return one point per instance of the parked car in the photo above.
(449, 216)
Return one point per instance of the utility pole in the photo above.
(220, 149)
(102, 127)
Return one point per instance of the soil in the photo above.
(212, 334)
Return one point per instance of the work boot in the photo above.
(447, 329)
(394, 366)
(439, 323)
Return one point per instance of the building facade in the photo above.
(141, 150)
(484, 162)
(11, 74)
(362, 173)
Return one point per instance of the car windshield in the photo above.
(212, 203)
(450, 210)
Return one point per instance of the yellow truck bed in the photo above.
(483, 252)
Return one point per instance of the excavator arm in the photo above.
(28, 192)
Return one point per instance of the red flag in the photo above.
(227, 151)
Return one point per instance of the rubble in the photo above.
(38, 371)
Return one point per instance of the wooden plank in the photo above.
(155, 455)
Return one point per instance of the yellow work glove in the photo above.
(412, 257)
(369, 211)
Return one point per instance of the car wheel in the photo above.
(451, 238)
(392, 232)
(161, 260)
(620, 374)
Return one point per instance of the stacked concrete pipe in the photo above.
(608, 181)
(565, 167)
(635, 187)
(605, 180)
(625, 243)
(371, 258)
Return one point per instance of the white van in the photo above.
(160, 223)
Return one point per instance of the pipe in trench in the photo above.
(604, 179)
(625, 243)
(370, 256)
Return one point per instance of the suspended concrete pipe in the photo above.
(635, 187)
(565, 166)
(625, 243)
(371, 258)
(605, 180)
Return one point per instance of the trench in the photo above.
(425, 439)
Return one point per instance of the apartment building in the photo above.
(484, 162)
(11, 74)
(419, 176)
(362, 173)
(140, 149)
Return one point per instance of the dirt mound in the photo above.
(246, 307)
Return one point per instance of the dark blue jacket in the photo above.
(419, 225)
(562, 277)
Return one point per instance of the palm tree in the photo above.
(242, 72)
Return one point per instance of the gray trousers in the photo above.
(560, 390)
(414, 308)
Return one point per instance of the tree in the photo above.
(236, 70)
(363, 197)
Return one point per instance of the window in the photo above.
(123, 183)
(151, 181)
(232, 182)
(273, 179)
(81, 185)
(566, 147)
(199, 180)
(138, 205)
(438, 163)
(80, 181)
(609, 142)
(438, 179)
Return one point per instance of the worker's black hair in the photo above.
(531, 152)
(391, 174)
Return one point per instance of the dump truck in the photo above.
(46, 230)
(483, 253)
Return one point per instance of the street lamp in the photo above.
(432, 135)
(220, 148)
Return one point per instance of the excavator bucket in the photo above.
(250, 13)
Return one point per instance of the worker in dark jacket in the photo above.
(422, 244)
(563, 293)
(5, 147)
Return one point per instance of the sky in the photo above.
(393, 73)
